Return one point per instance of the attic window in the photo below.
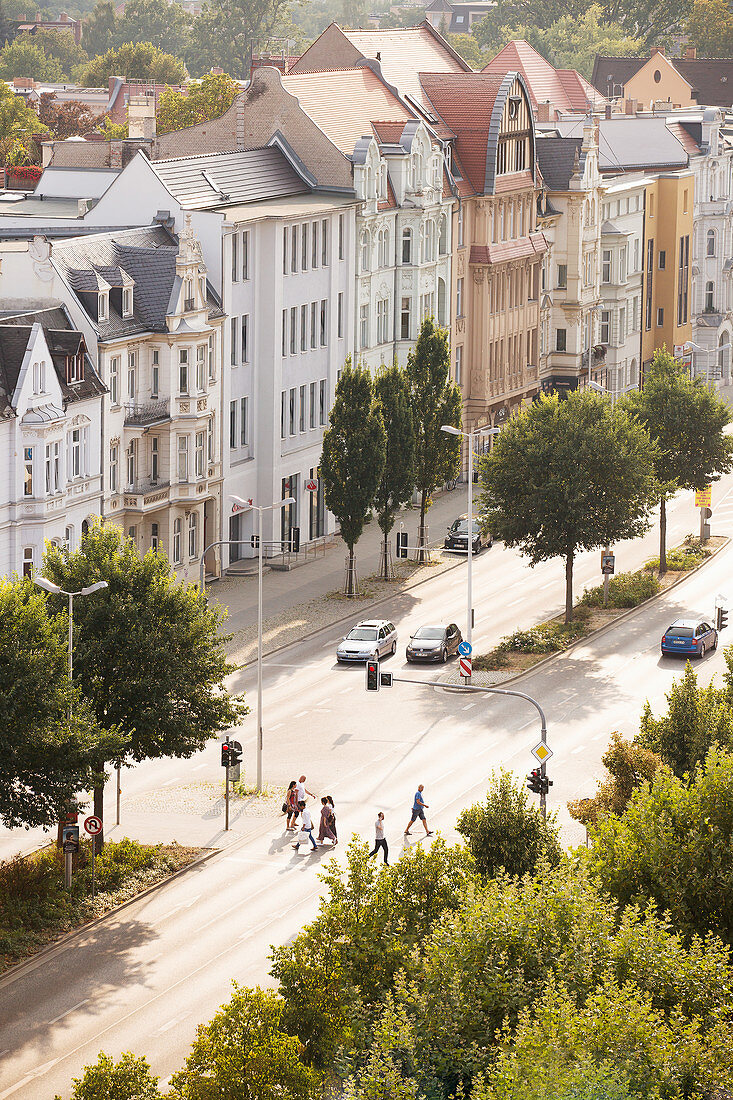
(127, 301)
(188, 299)
(513, 106)
(75, 367)
(657, 76)
(103, 305)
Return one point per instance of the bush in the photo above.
(628, 765)
(625, 590)
(545, 638)
(680, 559)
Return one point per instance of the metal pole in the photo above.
(68, 859)
(259, 653)
(94, 852)
(119, 790)
(469, 581)
(226, 799)
(71, 645)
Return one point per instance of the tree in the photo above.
(709, 28)
(572, 42)
(353, 457)
(68, 118)
(651, 20)
(398, 477)
(166, 26)
(137, 61)
(62, 46)
(244, 1054)
(506, 832)
(128, 1079)
(148, 656)
(22, 57)
(566, 475)
(469, 49)
(46, 753)
(7, 29)
(436, 401)
(698, 718)
(16, 118)
(227, 31)
(99, 28)
(628, 765)
(207, 99)
(673, 846)
(685, 420)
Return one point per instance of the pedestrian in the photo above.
(290, 806)
(419, 806)
(379, 840)
(325, 829)
(303, 790)
(332, 821)
(306, 829)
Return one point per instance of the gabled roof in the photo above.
(216, 179)
(556, 157)
(710, 78)
(630, 143)
(610, 74)
(565, 89)
(15, 334)
(343, 103)
(13, 345)
(405, 52)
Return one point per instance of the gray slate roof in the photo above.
(630, 143)
(556, 158)
(711, 78)
(221, 179)
(62, 340)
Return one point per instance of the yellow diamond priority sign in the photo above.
(542, 752)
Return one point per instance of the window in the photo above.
(235, 258)
(322, 402)
(622, 324)
(363, 326)
(245, 338)
(245, 255)
(662, 259)
(69, 537)
(285, 333)
(188, 299)
(342, 226)
(294, 248)
(210, 438)
(622, 264)
(710, 246)
(636, 253)
(192, 535)
(383, 248)
(314, 324)
(154, 537)
(460, 225)
(183, 370)
(459, 364)
(382, 321)
(28, 561)
(365, 251)
(77, 464)
(605, 326)
(660, 317)
(304, 247)
(323, 323)
(131, 463)
(562, 276)
(685, 201)
(233, 341)
(340, 315)
(114, 368)
(459, 298)
(406, 319)
(39, 377)
(324, 243)
(683, 280)
(200, 366)
(312, 405)
(606, 266)
(103, 306)
(131, 376)
(28, 472)
(301, 417)
(283, 402)
(200, 454)
(212, 365)
(407, 246)
(561, 339)
(155, 374)
(587, 269)
(293, 329)
(48, 469)
(244, 421)
(291, 412)
(177, 525)
(304, 328)
(154, 459)
(709, 296)
(314, 244)
(232, 424)
(285, 250)
(183, 458)
(651, 206)
(649, 282)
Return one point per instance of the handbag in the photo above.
(285, 807)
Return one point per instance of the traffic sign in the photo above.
(542, 752)
(704, 497)
(242, 507)
(608, 563)
(465, 649)
(92, 825)
(311, 485)
(464, 665)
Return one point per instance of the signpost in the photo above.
(703, 501)
(93, 826)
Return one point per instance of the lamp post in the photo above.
(708, 351)
(612, 393)
(248, 506)
(470, 436)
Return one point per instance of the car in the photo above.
(368, 639)
(433, 643)
(457, 537)
(688, 637)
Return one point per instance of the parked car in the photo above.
(433, 643)
(689, 637)
(368, 639)
(457, 537)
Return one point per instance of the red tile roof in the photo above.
(388, 133)
(405, 52)
(565, 88)
(685, 138)
(464, 102)
(533, 245)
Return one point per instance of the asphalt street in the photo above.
(145, 978)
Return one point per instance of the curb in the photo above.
(20, 968)
(601, 630)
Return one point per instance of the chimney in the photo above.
(630, 106)
(544, 111)
(141, 117)
(690, 53)
(609, 110)
(657, 49)
(64, 17)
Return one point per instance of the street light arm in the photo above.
(49, 586)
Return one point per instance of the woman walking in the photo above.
(332, 821)
(325, 829)
(291, 804)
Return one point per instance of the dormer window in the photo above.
(127, 301)
(75, 367)
(188, 298)
(39, 378)
(383, 181)
(103, 305)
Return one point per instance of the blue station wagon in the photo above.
(689, 637)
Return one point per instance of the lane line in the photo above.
(302, 714)
(171, 1023)
(580, 748)
(279, 726)
(169, 782)
(468, 706)
(199, 767)
(550, 584)
(68, 1011)
(515, 602)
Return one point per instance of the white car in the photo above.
(369, 639)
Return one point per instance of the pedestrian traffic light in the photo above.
(372, 676)
(294, 540)
(235, 753)
(402, 544)
(721, 618)
(546, 784)
(534, 781)
(225, 754)
(385, 679)
(254, 541)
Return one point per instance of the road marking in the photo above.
(515, 602)
(322, 710)
(169, 782)
(29, 1077)
(598, 736)
(68, 1012)
(550, 584)
(176, 908)
(531, 722)
(279, 726)
(468, 706)
(199, 767)
(322, 701)
(302, 714)
(345, 691)
(580, 748)
(171, 1023)
(489, 747)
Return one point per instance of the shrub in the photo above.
(628, 765)
(680, 559)
(625, 590)
(545, 638)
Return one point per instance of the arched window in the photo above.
(709, 296)
(711, 242)
(192, 535)
(365, 251)
(407, 246)
(427, 241)
(177, 525)
(443, 240)
(383, 248)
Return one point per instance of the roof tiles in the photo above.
(465, 101)
(565, 89)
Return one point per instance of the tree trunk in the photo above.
(569, 586)
(350, 585)
(421, 540)
(386, 564)
(663, 535)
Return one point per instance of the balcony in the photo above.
(147, 412)
(146, 495)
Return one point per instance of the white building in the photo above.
(621, 263)
(50, 433)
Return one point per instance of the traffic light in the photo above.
(294, 540)
(225, 750)
(385, 679)
(254, 541)
(534, 781)
(546, 784)
(721, 618)
(372, 676)
(402, 544)
(235, 753)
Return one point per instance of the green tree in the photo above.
(628, 765)
(99, 28)
(22, 57)
(653, 21)
(166, 26)
(61, 45)
(505, 831)
(572, 42)
(244, 1054)
(15, 118)
(149, 658)
(566, 475)
(204, 100)
(686, 420)
(698, 718)
(7, 28)
(436, 401)
(673, 846)
(67, 118)
(398, 476)
(128, 1079)
(137, 61)
(469, 49)
(709, 28)
(227, 31)
(45, 757)
(353, 457)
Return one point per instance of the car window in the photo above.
(390, 628)
(382, 632)
(680, 631)
(699, 630)
(428, 632)
(362, 634)
(706, 627)
(459, 527)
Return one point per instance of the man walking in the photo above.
(306, 826)
(418, 810)
(302, 789)
(379, 841)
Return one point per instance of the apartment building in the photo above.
(667, 286)
(621, 265)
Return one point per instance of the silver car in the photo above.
(369, 639)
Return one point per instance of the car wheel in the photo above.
(702, 650)
(393, 650)
(444, 655)
(490, 543)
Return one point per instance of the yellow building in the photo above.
(667, 287)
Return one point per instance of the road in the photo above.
(143, 979)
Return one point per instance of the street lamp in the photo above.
(613, 393)
(470, 436)
(248, 506)
(699, 347)
(56, 590)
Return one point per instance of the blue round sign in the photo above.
(465, 649)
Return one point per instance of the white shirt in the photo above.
(300, 788)
(379, 828)
(305, 821)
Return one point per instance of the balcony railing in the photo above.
(147, 412)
